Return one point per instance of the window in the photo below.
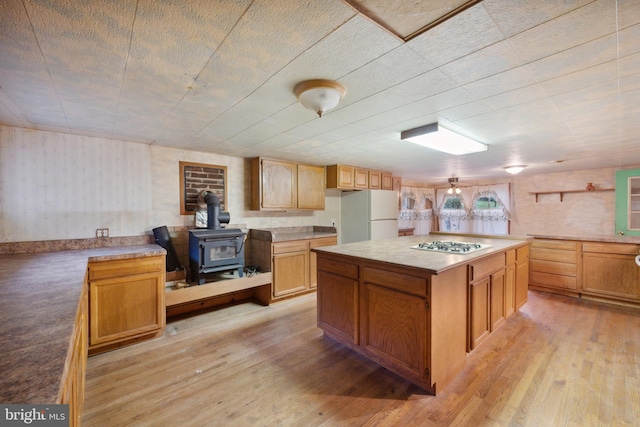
(453, 203)
(486, 202)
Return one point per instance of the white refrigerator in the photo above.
(368, 215)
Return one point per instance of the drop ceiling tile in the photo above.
(491, 60)
(516, 97)
(628, 13)
(459, 36)
(590, 22)
(582, 79)
(628, 40)
(424, 86)
(595, 52)
(393, 68)
(330, 58)
(501, 83)
(518, 16)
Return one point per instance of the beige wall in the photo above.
(60, 186)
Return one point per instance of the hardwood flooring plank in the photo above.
(558, 361)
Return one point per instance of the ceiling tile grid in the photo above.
(534, 79)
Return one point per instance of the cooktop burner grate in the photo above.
(451, 246)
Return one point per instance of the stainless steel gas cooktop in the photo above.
(451, 246)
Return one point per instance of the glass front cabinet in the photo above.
(628, 202)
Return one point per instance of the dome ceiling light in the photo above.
(515, 169)
(319, 95)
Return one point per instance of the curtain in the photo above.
(416, 209)
(468, 219)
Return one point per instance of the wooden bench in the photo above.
(210, 294)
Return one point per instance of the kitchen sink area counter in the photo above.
(419, 312)
(283, 234)
(40, 296)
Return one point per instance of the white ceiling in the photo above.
(536, 80)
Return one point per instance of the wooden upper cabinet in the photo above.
(387, 181)
(362, 178)
(311, 181)
(278, 185)
(350, 178)
(375, 180)
(341, 176)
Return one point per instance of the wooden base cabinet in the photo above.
(72, 390)
(126, 301)
(292, 264)
(610, 271)
(555, 266)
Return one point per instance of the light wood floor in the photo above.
(559, 361)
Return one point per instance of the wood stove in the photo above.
(215, 249)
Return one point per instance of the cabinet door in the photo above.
(361, 178)
(313, 257)
(479, 312)
(375, 180)
(387, 181)
(311, 183)
(394, 328)
(628, 202)
(125, 307)
(497, 299)
(290, 272)
(279, 182)
(338, 305)
(611, 275)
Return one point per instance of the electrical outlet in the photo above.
(333, 222)
(102, 232)
(274, 223)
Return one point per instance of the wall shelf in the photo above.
(563, 192)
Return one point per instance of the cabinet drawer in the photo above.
(554, 255)
(522, 253)
(293, 246)
(552, 267)
(487, 266)
(339, 268)
(554, 280)
(322, 241)
(555, 244)
(612, 248)
(125, 267)
(402, 282)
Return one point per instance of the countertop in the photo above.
(604, 238)
(398, 251)
(283, 234)
(39, 297)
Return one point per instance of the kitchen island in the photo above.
(418, 312)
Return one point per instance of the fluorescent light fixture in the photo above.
(515, 169)
(438, 138)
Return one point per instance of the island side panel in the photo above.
(448, 325)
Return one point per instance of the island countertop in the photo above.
(39, 297)
(398, 250)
